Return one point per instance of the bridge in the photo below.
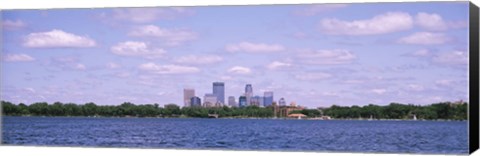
(212, 115)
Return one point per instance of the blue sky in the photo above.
(314, 55)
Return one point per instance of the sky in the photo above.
(315, 55)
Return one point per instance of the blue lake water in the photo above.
(433, 137)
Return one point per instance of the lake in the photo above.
(432, 137)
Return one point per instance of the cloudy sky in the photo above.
(314, 55)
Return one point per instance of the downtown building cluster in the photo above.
(217, 98)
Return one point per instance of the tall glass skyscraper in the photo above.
(195, 102)
(219, 91)
(209, 100)
(267, 98)
(187, 96)
(242, 101)
(256, 100)
(248, 93)
(231, 101)
(282, 102)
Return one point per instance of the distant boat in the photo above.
(371, 117)
(414, 117)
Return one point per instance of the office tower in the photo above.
(261, 101)
(231, 101)
(267, 98)
(219, 91)
(248, 93)
(255, 100)
(242, 101)
(282, 102)
(187, 95)
(209, 100)
(195, 102)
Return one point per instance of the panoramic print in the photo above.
(366, 77)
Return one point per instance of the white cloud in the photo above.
(425, 38)
(312, 10)
(139, 49)
(435, 22)
(312, 76)
(378, 91)
(29, 89)
(145, 15)
(112, 65)
(354, 81)
(57, 39)
(457, 24)
(65, 59)
(13, 25)
(18, 58)
(380, 24)
(170, 36)
(330, 94)
(278, 65)
(225, 78)
(199, 60)
(67, 63)
(452, 58)
(444, 82)
(240, 70)
(415, 87)
(167, 69)
(254, 47)
(335, 56)
(80, 66)
(122, 74)
(421, 53)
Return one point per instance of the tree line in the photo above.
(444, 110)
(128, 109)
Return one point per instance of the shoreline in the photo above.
(269, 118)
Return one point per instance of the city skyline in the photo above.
(325, 54)
(217, 97)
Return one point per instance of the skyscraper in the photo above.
(187, 95)
(261, 101)
(248, 93)
(219, 91)
(242, 101)
(256, 100)
(231, 101)
(209, 100)
(195, 102)
(267, 98)
(282, 102)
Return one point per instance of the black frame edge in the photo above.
(473, 78)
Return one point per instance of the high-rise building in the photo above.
(267, 98)
(209, 100)
(195, 102)
(261, 101)
(187, 96)
(256, 100)
(242, 101)
(248, 93)
(219, 91)
(231, 101)
(282, 102)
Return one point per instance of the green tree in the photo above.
(9, 108)
(171, 109)
(56, 109)
(89, 109)
(39, 109)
